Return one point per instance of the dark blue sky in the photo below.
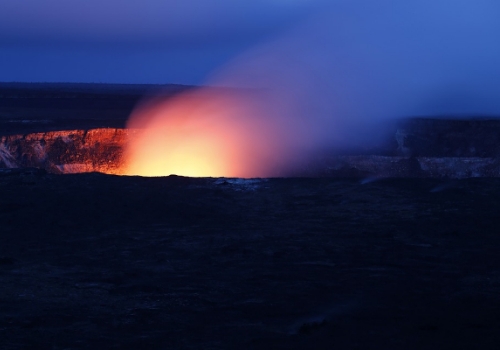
(425, 55)
(130, 41)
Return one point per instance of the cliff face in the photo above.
(73, 151)
(417, 148)
(426, 147)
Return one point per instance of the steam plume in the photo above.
(328, 84)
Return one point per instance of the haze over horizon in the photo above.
(411, 58)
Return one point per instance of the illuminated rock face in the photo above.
(70, 151)
(420, 148)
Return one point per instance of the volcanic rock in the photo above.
(74, 151)
(98, 261)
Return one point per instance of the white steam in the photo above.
(333, 80)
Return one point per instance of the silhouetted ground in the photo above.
(99, 261)
(94, 261)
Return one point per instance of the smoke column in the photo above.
(328, 84)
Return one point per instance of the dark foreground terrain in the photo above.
(97, 261)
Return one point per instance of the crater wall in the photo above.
(69, 151)
(415, 148)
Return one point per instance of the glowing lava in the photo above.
(202, 133)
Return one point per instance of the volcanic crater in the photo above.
(390, 247)
(81, 128)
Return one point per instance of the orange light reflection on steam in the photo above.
(200, 134)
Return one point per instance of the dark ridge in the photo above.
(40, 107)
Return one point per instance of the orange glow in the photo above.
(206, 133)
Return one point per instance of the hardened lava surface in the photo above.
(101, 261)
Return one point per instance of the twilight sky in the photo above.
(448, 45)
(323, 74)
(130, 41)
